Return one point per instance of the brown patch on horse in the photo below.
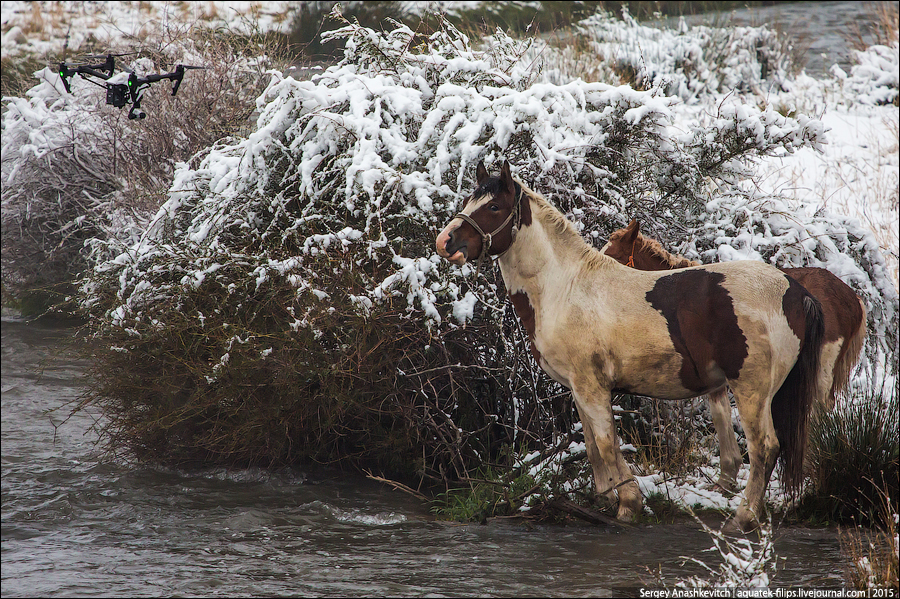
(516, 194)
(792, 305)
(702, 325)
(844, 316)
(525, 312)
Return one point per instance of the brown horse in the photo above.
(598, 327)
(845, 331)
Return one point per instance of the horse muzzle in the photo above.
(452, 248)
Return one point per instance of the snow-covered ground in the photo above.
(51, 27)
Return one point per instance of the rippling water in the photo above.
(73, 525)
(819, 30)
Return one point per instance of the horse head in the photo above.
(624, 243)
(488, 221)
(629, 247)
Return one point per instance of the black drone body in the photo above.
(120, 94)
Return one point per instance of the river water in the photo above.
(74, 525)
(819, 30)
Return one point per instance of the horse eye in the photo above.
(495, 208)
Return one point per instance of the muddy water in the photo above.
(73, 525)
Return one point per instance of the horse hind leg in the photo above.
(828, 363)
(763, 447)
(730, 459)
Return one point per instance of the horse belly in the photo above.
(555, 373)
(659, 378)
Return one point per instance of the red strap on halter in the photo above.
(631, 257)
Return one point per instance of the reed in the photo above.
(852, 462)
(873, 552)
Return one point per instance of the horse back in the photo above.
(707, 324)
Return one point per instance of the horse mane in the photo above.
(549, 214)
(656, 249)
(593, 258)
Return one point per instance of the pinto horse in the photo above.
(845, 332)
(599, 327)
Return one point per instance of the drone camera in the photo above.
(117, 94)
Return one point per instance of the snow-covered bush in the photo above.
(286, 303)
(309, 246)
(689, 62)
(75, 170)
(875, 79)
(56, 170)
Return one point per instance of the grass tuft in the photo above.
(853, 459)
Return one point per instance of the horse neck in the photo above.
(547, 254)
(650, 255)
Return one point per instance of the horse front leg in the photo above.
(611, 472)
(729, 453)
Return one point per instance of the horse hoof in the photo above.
(625, 514)
(744, 525)
(733, 528)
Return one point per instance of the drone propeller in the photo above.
(103, 70)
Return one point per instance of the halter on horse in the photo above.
(598, 327)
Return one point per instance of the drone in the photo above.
(122, 90)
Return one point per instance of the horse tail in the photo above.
(848, 358)
(792, 403)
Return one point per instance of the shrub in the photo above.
(689, 62)
(875, 79)
(78, 175)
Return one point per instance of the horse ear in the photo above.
(506, 179)
(632, 230)
(480, 173)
